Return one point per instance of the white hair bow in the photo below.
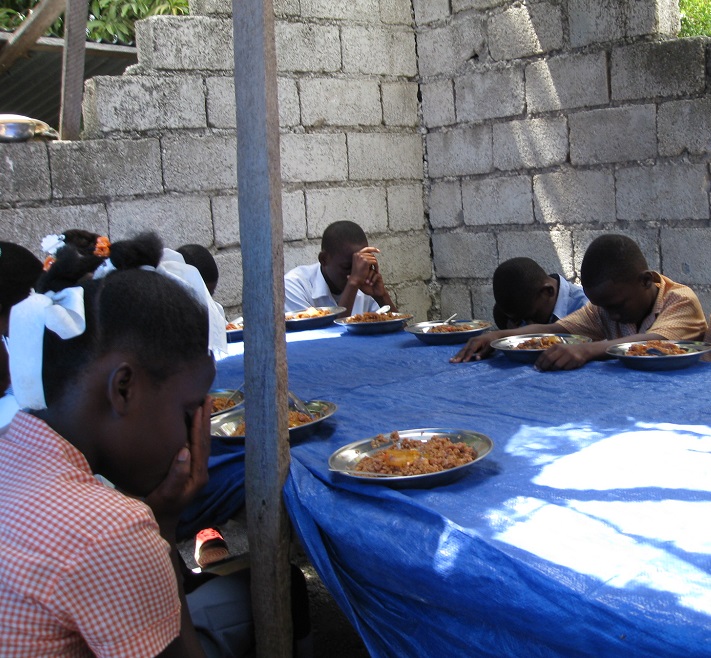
(61, 312)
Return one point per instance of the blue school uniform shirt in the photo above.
(571, 297)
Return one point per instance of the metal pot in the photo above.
(16, 128)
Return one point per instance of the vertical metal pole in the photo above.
(261, 233)
(75, 18)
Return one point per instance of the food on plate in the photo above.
(656, 346)
(372, 317)
(413, 457)
(220, 404)
(296, 418)
(449, 328)
(310, 312)
(539, 343)
(231, 326)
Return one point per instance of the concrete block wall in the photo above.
(159, 143)
(550, 122)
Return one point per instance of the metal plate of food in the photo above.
(235, 330)
(528, 347)
(312, 318)
(659, 354)
(447, 333)
(374, 323)
(18, 128)
(224, 399)
(229, 426)
(380, 459)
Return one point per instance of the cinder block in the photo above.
(653, 17)
(225, 220)
(312, 158)
(24, 172)
(105, 168)
(400, 104)
(482, 303)
(646, 238)
(27, 226)
(406, 211)
(414, 298)
(177, 219)
(384, 156)
(229, 287)
(140, 103)
(456, 298)
(490, 94)
(298, 253)
(507, 200)
(404, 257)
(522, 31)
(530, 143)
(648, 70)
(460, 152)
(438, 103)
(447, 49)
(199, 162)
(445, 203)
(614, 134)
(379, 50)
(595, 21)
(663, 192)
(185, 43)
(459, 255)
(366, 206)
(293, 210)
(684, 126)
(462, 5)
(287, 7)
(567, 81)
(221, 102)
(553, 250)
(342, 10)
(429, 11)
(686, 254)
(340, 102)
(574, 196)
(396, 12)
(210, 7)
(307, 47)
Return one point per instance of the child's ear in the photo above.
(121, 382)
(323, 258)
(647, 279)
(548, 290)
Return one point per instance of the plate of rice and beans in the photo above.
(312, 317)
(659, 354)
(374, 323)
(528, 347)
(447, 333)
(416, 458)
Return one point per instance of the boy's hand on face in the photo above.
(376, 288)
(477, 348)
(565, 357)
(188, 472)
(364, 267)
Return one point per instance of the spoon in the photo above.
(383, 309)
(296, 402)
(450, 318)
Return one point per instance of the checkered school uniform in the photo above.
(676, 315)
(84, 570)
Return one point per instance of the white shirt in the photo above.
(304, 286)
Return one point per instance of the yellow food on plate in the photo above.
(231, 326)
(220, 404)
(666, 348)
(310, 312)
(296, 418)
(542, 343)
(449, 328)
(372, 317)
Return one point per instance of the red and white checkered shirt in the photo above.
(676, 315)
(84, 570)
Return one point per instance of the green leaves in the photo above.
(695, 18)
(109, 21)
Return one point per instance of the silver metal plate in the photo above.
(509, 345)
(380, 327)
(694, 351)
(466, 330)
(299, 324)
(345, 459)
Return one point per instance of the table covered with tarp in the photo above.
(585, 532)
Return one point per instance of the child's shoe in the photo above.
(210, 547)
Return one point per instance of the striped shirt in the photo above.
(84, 570)
(676, 315)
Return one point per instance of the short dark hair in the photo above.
(19, 271)
(201, 259)
(516, 282)
(342, 233)
(139, 311)
(612, 257)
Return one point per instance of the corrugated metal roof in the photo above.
(32, 85)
